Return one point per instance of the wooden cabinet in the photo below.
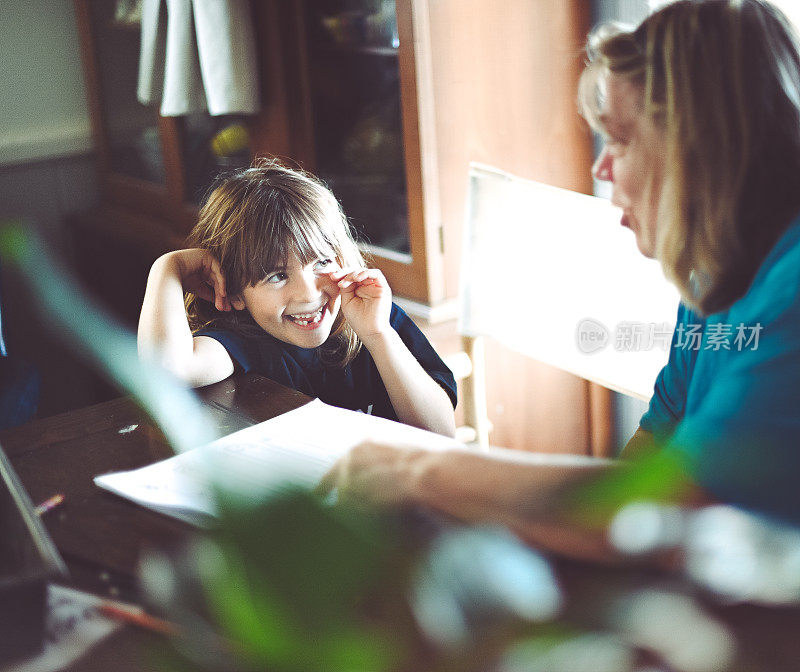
(340, 87)
(469, 80)
(390, 117)
(348, 95)
(387, 100)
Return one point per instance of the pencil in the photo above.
(138, 617)
(49, 504)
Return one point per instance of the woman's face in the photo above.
(632, 160)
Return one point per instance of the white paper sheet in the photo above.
(296, 448)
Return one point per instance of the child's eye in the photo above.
(275, 278)
(324, 265)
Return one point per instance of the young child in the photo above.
(277, 285)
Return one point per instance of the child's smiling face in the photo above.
(297, 304)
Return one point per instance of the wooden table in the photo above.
(101, 536)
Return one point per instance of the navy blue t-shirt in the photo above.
(357, 386)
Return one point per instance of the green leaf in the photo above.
(658, 477)
(13, 244)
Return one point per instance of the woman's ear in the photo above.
(236, 302)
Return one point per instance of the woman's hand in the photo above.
(366, 300)
(200, 274)
(502, 489)
(376, 472)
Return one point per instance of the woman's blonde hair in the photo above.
(721, 79)
(252, 221)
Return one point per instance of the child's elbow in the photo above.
(198, 373)
(183, 369)
(450, 427)
(444, 425)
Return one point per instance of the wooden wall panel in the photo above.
(505, 76)
(505, 84)
(534, 406)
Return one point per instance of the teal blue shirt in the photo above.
(730, 400)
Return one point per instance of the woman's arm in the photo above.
(417, 399)
(518, 490)
(164, 335)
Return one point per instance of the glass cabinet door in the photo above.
(209, 146)
(173, 160)
(356, 114)
(131, 129)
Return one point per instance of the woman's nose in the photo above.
(602, 167)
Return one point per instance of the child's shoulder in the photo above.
(251, 351)
(401, 321)
(398, 317)
(408, 330)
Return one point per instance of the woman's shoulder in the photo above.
(784, 255)
(773, 295)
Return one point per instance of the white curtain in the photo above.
(198, 55)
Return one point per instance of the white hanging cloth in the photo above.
(198, 55)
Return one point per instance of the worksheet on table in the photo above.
(296, 448)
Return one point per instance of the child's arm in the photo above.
(164, 335)
(416, 398)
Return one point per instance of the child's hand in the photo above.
(366, 300)
(200, 274)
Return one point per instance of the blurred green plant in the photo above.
(112, 346)
(294, 584)
(656, 476)
(315, 594)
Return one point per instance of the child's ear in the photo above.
(236, 302)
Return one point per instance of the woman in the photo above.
(700, 111)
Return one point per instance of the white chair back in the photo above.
(551, 274)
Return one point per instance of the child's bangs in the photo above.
(315, 228)
(289, 232)
(311, 240)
